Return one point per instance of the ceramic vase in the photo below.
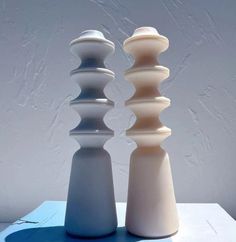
(91, 208)
(151, 206)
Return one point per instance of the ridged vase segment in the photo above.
(151, 206)
(91, 205)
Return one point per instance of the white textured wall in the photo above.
(35, 88)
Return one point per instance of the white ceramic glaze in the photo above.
(151, 205)
(91, 205)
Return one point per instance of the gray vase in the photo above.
(91, 208)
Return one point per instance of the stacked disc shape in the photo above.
(91, 204)
(151, 206)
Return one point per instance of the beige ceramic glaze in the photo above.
(151, 206)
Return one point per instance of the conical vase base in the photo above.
(151, 208)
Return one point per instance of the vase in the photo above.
(91, 210)
(151, 206)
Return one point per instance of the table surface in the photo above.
(198, 223)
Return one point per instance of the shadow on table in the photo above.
(57, 234)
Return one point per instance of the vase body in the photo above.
(91, 210)
(151, 206)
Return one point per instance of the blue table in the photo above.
(198, 223)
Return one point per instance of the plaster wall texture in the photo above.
(35, 90)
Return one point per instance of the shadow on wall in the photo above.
(57, 234)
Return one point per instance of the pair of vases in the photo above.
(151, 207)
